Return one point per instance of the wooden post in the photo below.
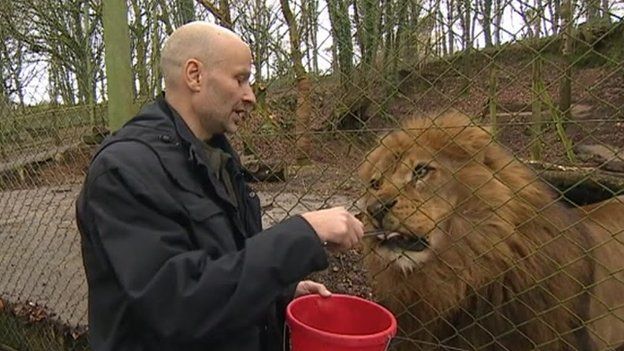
(118, 63)
(537, 91)
(493, 85)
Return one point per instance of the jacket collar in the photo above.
(196, 150)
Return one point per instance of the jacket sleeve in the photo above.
(178, 291)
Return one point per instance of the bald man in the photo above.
(172, 243)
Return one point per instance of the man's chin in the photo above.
(231, 129)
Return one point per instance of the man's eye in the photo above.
(420, 171)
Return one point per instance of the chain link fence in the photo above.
(502, 225)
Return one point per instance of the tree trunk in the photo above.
(226, 21)
(606, 16)
(155, 84)
(556, 16)
(314, 24)
(304, 106)
(492, 101)
(498, 17)
(537, 92)
(486, 23)
(221, 12)
(536, 22)
(450, 19)
(592, 10)
(341, 31)
(370, 17)
(118, 65)
(565, 93)
(139, 31)
(388, 28)
(466, 23)
(403, 34)
(442, 33)
(185, 12)
(61, 81)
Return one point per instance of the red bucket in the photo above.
(339, 323)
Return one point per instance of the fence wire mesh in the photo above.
(496, 172)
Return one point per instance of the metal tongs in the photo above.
(374, 232)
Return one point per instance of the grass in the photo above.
(19, 334)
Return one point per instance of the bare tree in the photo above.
(486, 21)
(257, 21)
(309, 26)
(150, 21)
(606, 15)
(592, 10)
(139, 29)
(554, 9)
(304, 104)
(222, 12)
(464, 12)
(69, 34)
(13, 54)
(388, 21)
(450, 22)
(185, 12)
(341, 31)
(565, 93)
(367, 28)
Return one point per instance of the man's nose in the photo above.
(249, 96)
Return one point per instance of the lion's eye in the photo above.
(375, 184)
(420, 171)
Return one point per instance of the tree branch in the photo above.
(212, 8)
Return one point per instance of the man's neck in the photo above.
(183, 108)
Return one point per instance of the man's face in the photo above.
(226, 97)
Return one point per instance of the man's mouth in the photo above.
(240, 116)
(402, 241)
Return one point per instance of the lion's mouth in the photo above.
(405, 242)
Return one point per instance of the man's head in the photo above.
(206, 69)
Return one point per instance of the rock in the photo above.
(259, 171)
(606, 156)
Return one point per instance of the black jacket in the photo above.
(171, 263)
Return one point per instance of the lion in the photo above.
(477, 253)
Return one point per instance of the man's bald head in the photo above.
(195, 40)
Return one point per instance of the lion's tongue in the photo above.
(406, 243)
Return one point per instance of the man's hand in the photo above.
(307, 287)
(337, 226)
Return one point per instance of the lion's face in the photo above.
(415, 183)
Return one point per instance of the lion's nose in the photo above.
(379, 209)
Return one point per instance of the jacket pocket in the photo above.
(211, 227)
(203, 210)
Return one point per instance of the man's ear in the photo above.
(192, 74)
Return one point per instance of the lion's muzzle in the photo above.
(392, 237)
(378, 209)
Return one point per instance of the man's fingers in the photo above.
(312, 287)
(323, 291)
